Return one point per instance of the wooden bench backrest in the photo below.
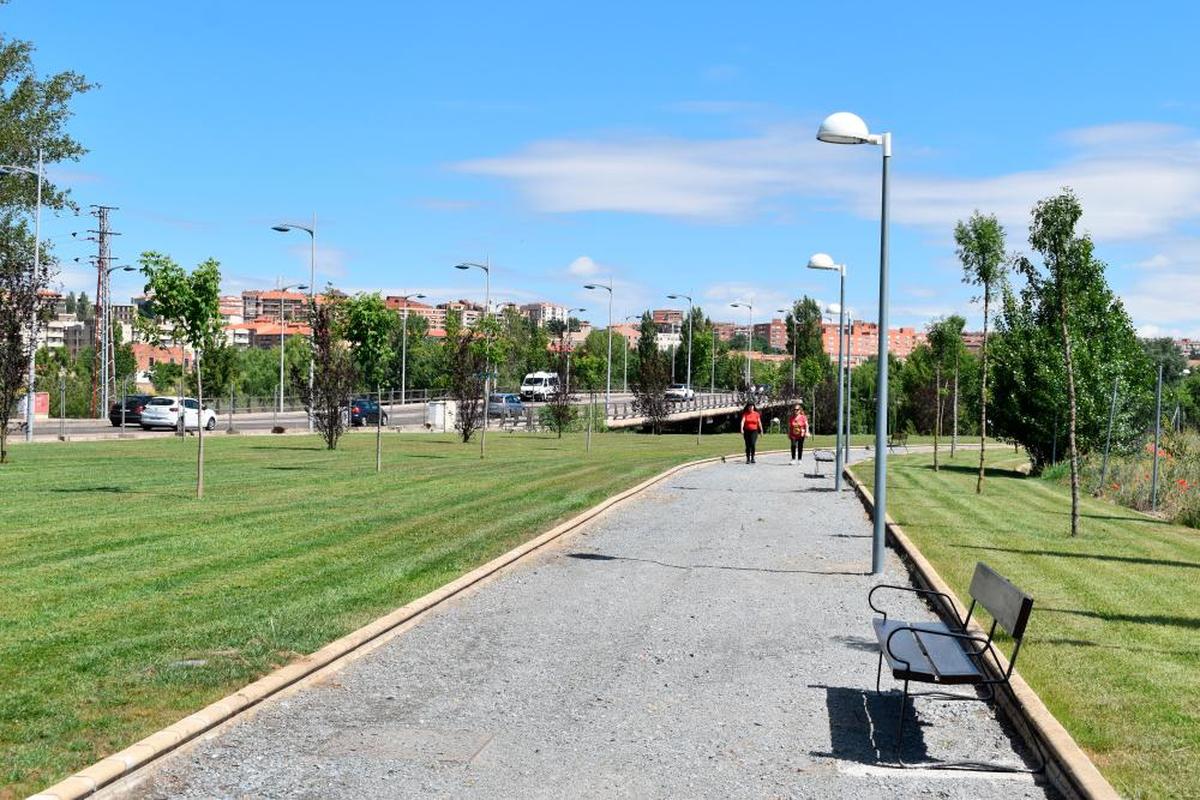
(1007, 604)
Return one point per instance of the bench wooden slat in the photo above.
(1007, 604)
(932, 659)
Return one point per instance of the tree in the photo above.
(946, 348)
(559, 410)
(465, 364)
(334, 377)
(980, 248)
(191, 305)
(809, 333)
(22, 300)
(165, 376)
(217, 371)
(1163, 350)
(652, 377)
(369, 327)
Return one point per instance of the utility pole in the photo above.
(102, 361)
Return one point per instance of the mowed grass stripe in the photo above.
(113, 573)
(1113, 646)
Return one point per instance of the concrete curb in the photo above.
(1068, 768)
(121, 765)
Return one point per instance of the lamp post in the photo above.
(846, 128)
(849, 383)
(487, 302)
(1157, 437)
(284, 227)
(62, 404)
(106, 351)
(31, 379)
(749, 338)
(282, 328)
(823, 261)
(608, 384)
(404, 346)
(689, 358)
(625, 379)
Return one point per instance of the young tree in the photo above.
(22, 300)
(333, 374)
(946, 347)
(652, 377)
(559, 410)
(980, 248)
(369, 328)
(191, 305)
(466, 365)
(165, 376)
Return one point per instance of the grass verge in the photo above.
(126, 604)
(1113, 646)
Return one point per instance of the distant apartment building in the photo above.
(668, 320)
(468, 313)
(774, 333)
(542, 313)
(435, 317)
(973, 341)
(726, 330)
(258, 304)
(864, 341)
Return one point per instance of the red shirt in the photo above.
(798, 426)
(751, 421)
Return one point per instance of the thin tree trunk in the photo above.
(983, 394)
(1071, 411)
(379, 428)
(4, 443)
(199, 429)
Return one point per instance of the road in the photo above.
(410, 417)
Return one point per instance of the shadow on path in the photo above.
(863, 723)
(603, 557)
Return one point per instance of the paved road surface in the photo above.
(708, 639)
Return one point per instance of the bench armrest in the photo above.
(949, 634)
(922, 592)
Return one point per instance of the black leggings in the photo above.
(798, 448)
(751, 438)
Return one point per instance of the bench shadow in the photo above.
(583, 556)
(1131, 518)
(862, 727)
(988, 472)
(857, 643)
(98, 489)
(288, 468)
(1154, 562)
(283, 447)
(1138, 619)
(1087, 643)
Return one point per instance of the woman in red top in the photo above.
(797, 430)
(751, 427)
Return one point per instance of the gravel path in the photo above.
(710, 638)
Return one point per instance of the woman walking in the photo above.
(751, 426)
(797, 431)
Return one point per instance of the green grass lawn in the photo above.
(113, 573)
(1113, 646)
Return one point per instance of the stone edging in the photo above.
(1067, 766)
(120, 765)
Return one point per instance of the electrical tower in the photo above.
(102, 359)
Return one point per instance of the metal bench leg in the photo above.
(878, 672)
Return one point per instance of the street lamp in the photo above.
(846, 128)
(404, 345)
(625, 379)
(608, 384)
(487, 302)
(106, 351)
(824, 262)
(749, 337)
(282, 328)
(284, 227)
(37, 271)
(689, 358)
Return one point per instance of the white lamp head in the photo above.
(843, 127)
(821, 261)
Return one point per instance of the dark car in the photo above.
(365, 411)
(134, 403)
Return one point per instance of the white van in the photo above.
(539, 386)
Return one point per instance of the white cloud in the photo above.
(1135, 180)
(1166, 301)
(583, 267)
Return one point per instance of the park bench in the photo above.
(822, 457)
(898, 439)
(949, 654)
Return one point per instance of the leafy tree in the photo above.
(980, 248)
(22, 300)
(652, 377)
(809, 335)
(1164, 351)
(69, 303)
(466, 364)
(166, 376)
(945, 348)
(334, 376)
(559, 410)
(124, 361)
(217, 371)
(191, 305)
(369, 329)
(84, 308)
(1060, 343)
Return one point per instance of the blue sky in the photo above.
(668, 145)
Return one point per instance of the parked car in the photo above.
(164, 412)
(365, 411)
(505, 405)
(134, 403)
(680, 391)
(539, 386)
